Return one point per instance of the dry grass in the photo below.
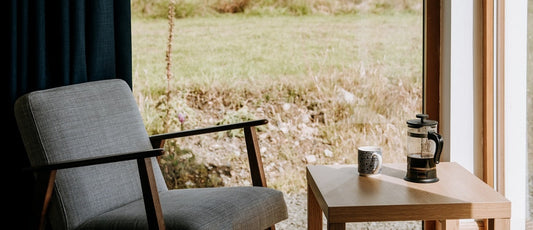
(195, 8)
(326, 84)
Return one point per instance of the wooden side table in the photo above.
(344, 196)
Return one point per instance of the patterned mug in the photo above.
(370, 160)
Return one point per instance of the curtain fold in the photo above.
(53, 43)
(63, 42)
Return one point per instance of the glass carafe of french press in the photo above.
(424, 146)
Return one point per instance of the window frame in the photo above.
(500, 34)
(432, 78)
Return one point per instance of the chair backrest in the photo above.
(79, 121)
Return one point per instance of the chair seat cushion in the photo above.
(207, 208)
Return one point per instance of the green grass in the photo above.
(233, 49)
(326, 83)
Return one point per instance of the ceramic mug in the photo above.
(370, 159)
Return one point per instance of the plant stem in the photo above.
(168, 59)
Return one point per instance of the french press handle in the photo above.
(439, 142)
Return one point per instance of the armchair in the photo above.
(92, 160)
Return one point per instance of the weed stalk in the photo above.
(168, 59)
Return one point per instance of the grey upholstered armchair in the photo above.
(96, 167)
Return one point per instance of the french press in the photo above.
(424, 146)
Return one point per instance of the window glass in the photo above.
(328, 75)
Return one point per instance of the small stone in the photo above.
(328, 153)
(286, 106)
(310, 158)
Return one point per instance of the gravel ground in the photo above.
(297, 207)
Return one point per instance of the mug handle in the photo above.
(380, 161)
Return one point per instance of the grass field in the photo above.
(327, 84)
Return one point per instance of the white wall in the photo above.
(515, 109)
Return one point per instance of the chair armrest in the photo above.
(252, 146)
(97, 160)
(45, 176)
(158, 138)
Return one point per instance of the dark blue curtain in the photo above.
(53, 43)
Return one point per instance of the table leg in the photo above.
(336, 226)
(450, 224)
(430, 224)
(314, 213)
(482, 224)
(503, 224)
(441, 225)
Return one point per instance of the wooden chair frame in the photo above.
(45, 174)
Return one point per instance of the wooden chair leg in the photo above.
(42, 192)
(150, 195)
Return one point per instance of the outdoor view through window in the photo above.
(329, 76)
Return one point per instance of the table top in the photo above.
(344, 196)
